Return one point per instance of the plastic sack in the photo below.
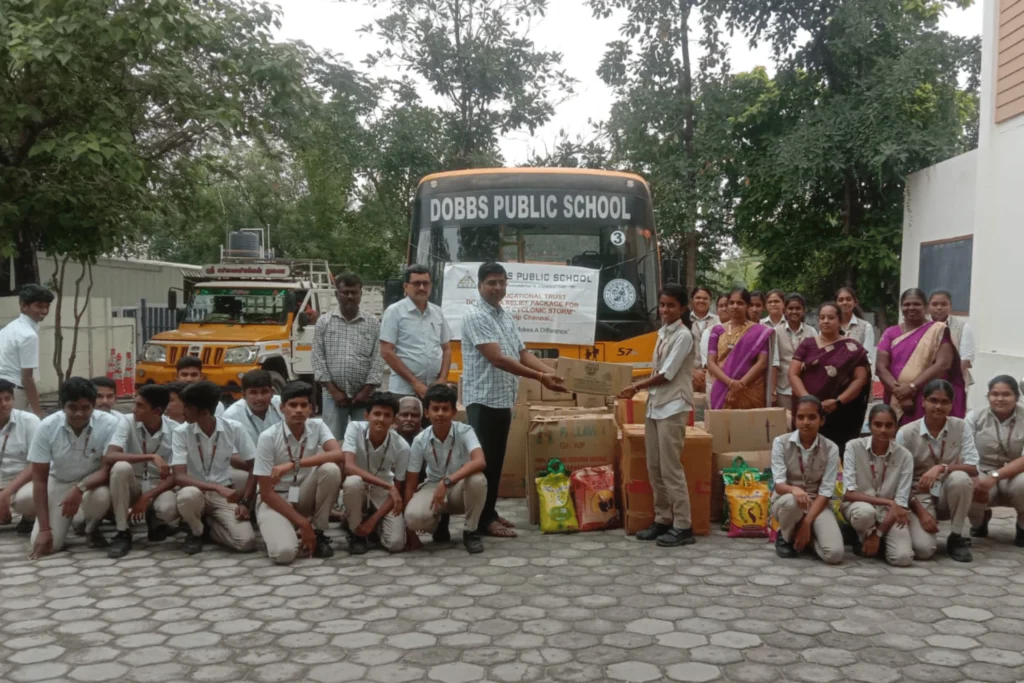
(593, 491)
(837, 496)
(557, 514)
(748, 501)
(732, 475)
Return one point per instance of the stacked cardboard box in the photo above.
(594, 377)
(744, 433)
(634, 410)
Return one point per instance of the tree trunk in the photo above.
(686, 87)
(86, 269)
(26, 265)
(60, 267)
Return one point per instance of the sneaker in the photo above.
(24, 527)
(473, 542)
(155, 531)
(653, 531)
(120, 545)
(981, 531)
(323, 548)
(193, 544)
(1019, 540)
(442, 534)
(97, 539)
(784, 548)
(959, 548)
(676, 537)
(357, 545)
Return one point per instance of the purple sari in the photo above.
(910, 354)
(736, 361)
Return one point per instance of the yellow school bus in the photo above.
(602, 220)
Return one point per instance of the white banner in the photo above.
(550, 304)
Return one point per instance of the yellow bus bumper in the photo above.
(228, 377)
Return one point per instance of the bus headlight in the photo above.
(154, 353)
(241, 355)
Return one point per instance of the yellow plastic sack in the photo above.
(557, 514)
(748, 502)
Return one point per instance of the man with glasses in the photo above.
(415, 338)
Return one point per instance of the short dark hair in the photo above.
(7, 386)
(490, 268)
(155, 395)
(795, 296)
(174, 387)
(296, 389)
(441, 393)
(188, 362)
(385, 399)
(916, 292)
(755, 293)
(881, 408)
(782, 294)
(998, 379)
(939, 385)
(829, 304)
(702, 288)
(940, 292)
(105, 382)
(257, 379)
(33, 293)
(203, 395)
(75, 389)
(676, 291)
(415, 269)
(348, 279)
(813, 400)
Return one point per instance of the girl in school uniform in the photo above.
(702, 319)
(852, 326)
(721, 313)
(788, 337)
(756, 307)
(775, 302)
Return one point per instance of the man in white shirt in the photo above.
(202, 451)
(67, 467)
(258, 411)
(298, 468)
(17, 429)
(455, 481)
(190, 371)
(106, 398)
(375, 457)
(141, 476)
(409, 421)
(415, 338)
(19, 347)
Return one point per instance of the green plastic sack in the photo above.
(554, 491)
(733, 475)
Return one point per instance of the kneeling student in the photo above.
(877, 476)
(17, 429)
(804, 467)
(371, 446)
(202, 450)
(455, 482)
(297, 465)
(141, 477)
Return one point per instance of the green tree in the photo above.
(477, 57)
(865, 92)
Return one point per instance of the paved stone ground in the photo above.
(585, 608)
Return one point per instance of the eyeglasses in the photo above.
(419, 285)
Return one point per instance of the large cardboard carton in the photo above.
(513, 472)
(586, 440)
(745, 430)
(594, 377)
(532, 391)
(631, 411)
(758, 459)
(559, 409)
(591, 401)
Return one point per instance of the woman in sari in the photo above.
(703, 319)
(738, 356)
(912, 354)
(835, 370)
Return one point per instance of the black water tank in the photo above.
(243, 245)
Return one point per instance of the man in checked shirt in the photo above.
(346, 356)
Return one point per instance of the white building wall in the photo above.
(123, 281)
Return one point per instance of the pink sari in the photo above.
(736, 362)
(910, 354)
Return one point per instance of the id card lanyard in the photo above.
(936, 490)
(293, 490)
(7, 435)
(207, 469)
(384, 450)
(437, 461)
(1004, 449)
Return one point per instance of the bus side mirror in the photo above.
(394, 290)
(303, 321)
(172, 299)
(671, 270)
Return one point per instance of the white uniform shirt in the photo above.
(968, 449)
(19, 348)
(879, 463)
(15, 438)
(250, 421)
(73, 458)
(219, 412)
(208, 458)
(141, 442)
(278, 446)
(392, 456)
(417, 338)
(967, 344)
(869, 336)
(443, 458)
(677, 342)
(780, 473)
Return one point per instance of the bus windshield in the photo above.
(239, 306)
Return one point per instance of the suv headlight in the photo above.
(154, 353)
(241, 355)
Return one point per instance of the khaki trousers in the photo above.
(94, 507)
(391, 528)
(468, 497)
(828, 539)
(953, 504)
(125, 489)
(239, 478)
(1006, 493)
(225, 528)
(22, 503)
(865, 517)
(664, 444)
(317, 494)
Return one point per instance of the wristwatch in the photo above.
(447, 482)
(913, 386)
(81, 486)
(995, 474)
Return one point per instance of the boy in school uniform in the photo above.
(175, 408)
(17, 429)
(141, 485)
(201, 454)
(670, 400)
(106, 398)
(455, 482)
(258, 411)
(68, 473)
(375, 456)
(189, 371)
(804, 467)
(298, 468)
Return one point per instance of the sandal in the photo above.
(505, 523)
(498, 530)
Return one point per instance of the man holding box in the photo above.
(493, 356)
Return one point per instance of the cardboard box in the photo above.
(532, 391)
(594, 377)
(745, 430)
(591, 401)
(559, 409)
(579, 441)
(513, 472)
(631, 411)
